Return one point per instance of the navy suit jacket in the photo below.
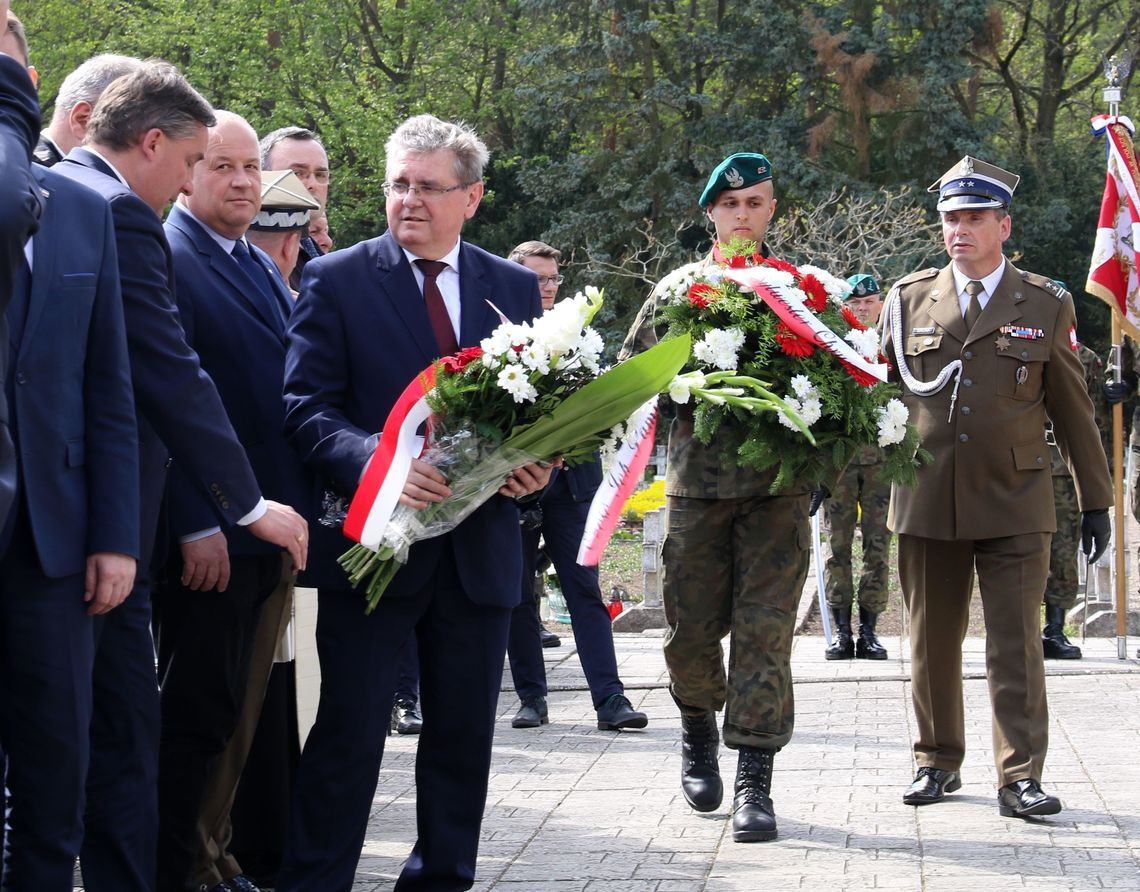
(177, 405)
(242, 348)
(19, 208)
(74, 411)
(358, 335)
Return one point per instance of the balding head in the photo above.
(225, 189)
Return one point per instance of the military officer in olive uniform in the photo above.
(1062, 584)
(735, 561)
(859, 497)
(983, 351)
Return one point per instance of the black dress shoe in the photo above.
(549, 639)
(931, 785)
(531, 714)
(616, 714)
(408, 718)
(1025, 799)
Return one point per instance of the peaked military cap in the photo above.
(972, 183)
(285, 203)
(737, 171)
(862, 285)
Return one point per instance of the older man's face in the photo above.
(308, 160)
(429, 226)
(225, 191)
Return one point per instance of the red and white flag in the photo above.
(1113, 272)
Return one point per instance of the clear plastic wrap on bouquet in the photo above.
(475, 468)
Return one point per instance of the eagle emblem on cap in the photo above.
(733, 178)
(967, 166)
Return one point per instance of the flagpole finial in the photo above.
(1116, 69)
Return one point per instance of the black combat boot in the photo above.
(842, 647)
(753, 817)
(1053, 640)
(700, 770)
(868, 647)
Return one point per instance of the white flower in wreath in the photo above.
(513, 379)
(865, 342)
(682, 386)
(535, 358)
(719, 347)
(892, 422)
(836, 288)
(675, 286)
(802, 386)
(806, 403)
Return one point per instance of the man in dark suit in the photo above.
(361, 331)
(301, 151)
(68, 549)
(234, 307)
(143, 139)
(19, 122)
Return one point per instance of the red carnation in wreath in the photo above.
(459, 361)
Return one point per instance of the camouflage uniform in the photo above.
(859, 489)
(1061, 587)
(727, 574)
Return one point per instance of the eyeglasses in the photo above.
(321, 175)
(543, 281)
(425, 192)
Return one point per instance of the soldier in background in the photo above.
(735, 557)
(1061, 587)
(859, 496)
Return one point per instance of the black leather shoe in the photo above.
(931, 785)
(242, 883)
(549, 639)
(867, 646)
(753, 816)
(616, 714)
(700, 769)
(1026, 799)
(408, 718)
(531, 714)
(842, 644)
(1053, 641)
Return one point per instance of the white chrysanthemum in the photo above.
(897, 412)
(866, 342)
(802, 386)
(675, 286)
(489, 359)
(892, 423)
(591, 342)
(811, 409)
(513, 380)
(535, 358)
(719, 347)
(783, 416)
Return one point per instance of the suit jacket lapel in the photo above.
(1004, 305)
(45, 267)
(945, 310)
(224, 265)
(476, 318)
(398, 287)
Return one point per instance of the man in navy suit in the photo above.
(19, 123)
(68, 549)
(144, 137)
(234, 306)
(361, 331)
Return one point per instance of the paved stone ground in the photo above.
(574, 809)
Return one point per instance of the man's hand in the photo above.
(1095, 532)
(425, 484)
(527, 479)
(206, 563)
(819, 495)
(283, 526)
(109, 579)
(1116, 392)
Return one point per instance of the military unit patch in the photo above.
(1073, 338)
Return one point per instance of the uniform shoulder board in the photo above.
(917, 277)
(1046, 284)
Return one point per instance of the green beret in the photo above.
(863, 285)
(737, 171)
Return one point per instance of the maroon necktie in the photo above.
(437, 312)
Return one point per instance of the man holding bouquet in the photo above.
(368, 320)
(725, 571)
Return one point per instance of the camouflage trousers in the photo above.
(735, 567)
(1061, 587)
(858, 487)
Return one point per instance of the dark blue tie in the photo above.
(257, 275)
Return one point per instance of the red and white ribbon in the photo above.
(618, 484)
(387, 471)
(802, 321)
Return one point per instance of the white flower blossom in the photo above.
(897, 411)
(865, 342)
(682, 386)
(535, 358)
(837, 289)
(806, 403)
(719, 347)
(783, 416)
(802, 386)
(892, 422)
(513, 380)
